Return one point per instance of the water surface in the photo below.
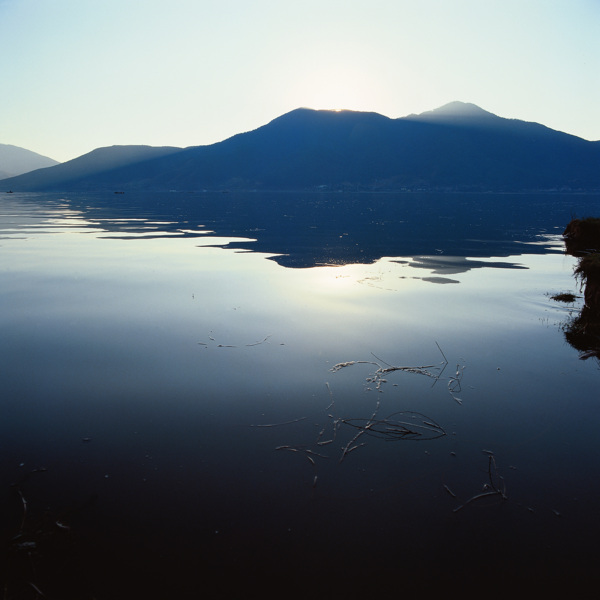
(170, 393)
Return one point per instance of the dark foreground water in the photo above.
(317, 396)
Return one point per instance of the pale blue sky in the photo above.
(79, 74)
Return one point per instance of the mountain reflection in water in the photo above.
(182, 411)
(307, 230)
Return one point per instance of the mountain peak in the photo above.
(456, 110)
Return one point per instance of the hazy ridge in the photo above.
(16, 161)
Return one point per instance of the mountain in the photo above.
(82, 172)
(458, 146)
(15, 161)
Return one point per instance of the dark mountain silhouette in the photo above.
(15, 161)
(456, 147)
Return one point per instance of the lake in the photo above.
(310, 395)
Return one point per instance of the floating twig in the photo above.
(330, 395)
(37, 589)
(24, 503)
(279, 424)
(416, 427)
(378, 376)
(261, 342)
(349, 446)
(449, 491)
(496, 486)
(308, 451)
(335, 423)
(212, 339)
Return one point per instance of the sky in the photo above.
(76, 75)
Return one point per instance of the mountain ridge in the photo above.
(458, 146)
(15, 161)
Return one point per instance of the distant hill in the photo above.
(458, 146)
(83, 172)
(15, 161)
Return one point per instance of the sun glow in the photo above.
(337, 88)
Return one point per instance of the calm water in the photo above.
(173, 417)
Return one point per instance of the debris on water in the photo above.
(433, 371)
(400, 425)
(413, 426)
(35, 587)
(26, 546)
(449, 491)
(279, 424)
(261, 342)
(213, 339)
(495, 487)
(566, 297)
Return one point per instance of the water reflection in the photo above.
(446, 265)
(442, 232)
(582, 331)
(197, 392)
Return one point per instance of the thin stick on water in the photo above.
(24, 503)
(319, 441)
(279, 424)
(414, 426)
(330, 395)
(477, 497)
(37, 589)
(348, 447)
(380, 359)
(492, 488)
(454, 384)
(449, 491)
(355, 447)
(309, 451)
(261, 342)
(377, 378)
(444, 362)
(442, 353)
